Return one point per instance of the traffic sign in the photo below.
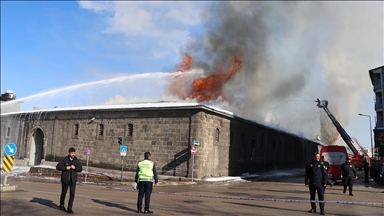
(7, 165)
(196, 142)
(193, 149)
(123, 150)
(10, 149)
(89, 152)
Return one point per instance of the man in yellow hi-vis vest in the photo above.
(145, 174)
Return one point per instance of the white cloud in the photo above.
(131, 21)
(97, 6)
(186, 16)
(160, 25)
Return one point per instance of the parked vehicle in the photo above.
(336, 156)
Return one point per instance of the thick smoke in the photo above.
(293, 53)
(329, 133)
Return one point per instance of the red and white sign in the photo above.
(89, 152)
(193, 149)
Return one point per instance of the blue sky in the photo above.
(59, 43)
(71, 53)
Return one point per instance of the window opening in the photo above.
(217, 137)
(101, 130)
(76, 130)
(129, 130)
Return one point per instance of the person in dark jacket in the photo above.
(316, 177)
(366, 170)
(348, 174)
(145, 174)
(381, 174)
(326, 165)
(69, 168)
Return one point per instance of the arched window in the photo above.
(101, 130)
(217, 135)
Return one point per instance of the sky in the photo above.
(77, 53)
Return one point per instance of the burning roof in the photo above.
(204, 89)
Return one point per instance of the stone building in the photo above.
(228, 145)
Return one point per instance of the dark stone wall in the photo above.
(163, 133)
(228, 145)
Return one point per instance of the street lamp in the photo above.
(370, 130)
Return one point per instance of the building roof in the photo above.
(371, 73)
(377, 68)
(133, 106)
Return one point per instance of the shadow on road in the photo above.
(45, 202)
(267, 207)
(260, 206)
(114, 205)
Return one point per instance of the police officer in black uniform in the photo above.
(326, 164)
(316, 177)
(348, 174)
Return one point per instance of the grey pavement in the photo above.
(274, 195)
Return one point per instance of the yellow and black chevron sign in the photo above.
(8, 163)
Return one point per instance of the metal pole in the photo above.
(86, 171)
(122, 163)
(193, 163)
(370, 131)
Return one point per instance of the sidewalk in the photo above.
(94, 175)
(47, 171)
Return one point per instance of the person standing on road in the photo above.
(366, 170)
(382, 170)
(145, 174)
(326, 165)
(316, 177)
(69, 168)
(348, 174)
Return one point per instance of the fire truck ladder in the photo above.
(347, 139)
(362, 149)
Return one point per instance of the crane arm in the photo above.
(347, 139)
(360, 146)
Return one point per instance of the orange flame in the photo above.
(177, 85)
(203, 89)
(186, 64)
(210, 88)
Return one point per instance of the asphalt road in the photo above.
(286, 196)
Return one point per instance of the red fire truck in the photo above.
(357, 157)
(335, 155)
